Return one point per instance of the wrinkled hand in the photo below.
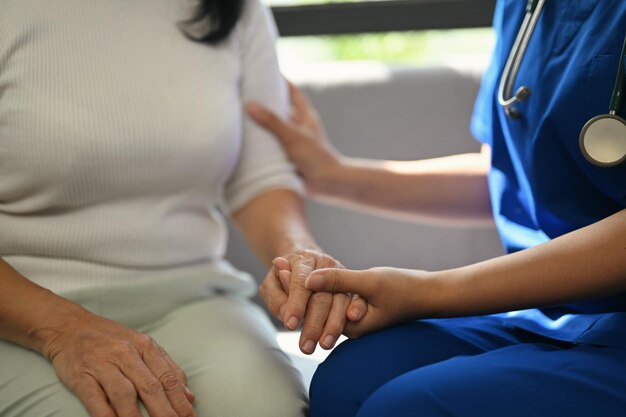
(324, 314)
(303, 137)
(109, 367)
(393, 295)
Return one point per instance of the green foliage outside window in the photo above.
(459, 46)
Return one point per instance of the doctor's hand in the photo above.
(393, 295)
(110, 367)
(304, 139)
(324, 314)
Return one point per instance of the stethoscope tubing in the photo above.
(602, 140)
(506, 98)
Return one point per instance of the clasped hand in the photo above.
(309, 286)
(324, 314)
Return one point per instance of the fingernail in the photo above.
(309, 346)
(293, 322)
(329, 341)
(356, 313)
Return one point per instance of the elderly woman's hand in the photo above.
(325, 315)
(109, 367)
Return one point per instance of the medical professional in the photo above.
(540, 331)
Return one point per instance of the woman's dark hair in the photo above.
(213, 20)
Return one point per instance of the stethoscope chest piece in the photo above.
(603, 140)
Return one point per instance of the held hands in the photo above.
(109, 367)
(303, 137)
(324, 314)
(393, 295)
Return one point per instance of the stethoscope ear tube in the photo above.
(506, 98)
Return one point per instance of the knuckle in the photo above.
(338, 282)
(328, 261)
(122, 348)
(169, 381)
(320, 300)
(313, 330)
(342, 298)
(122, 391)
(151, 387)
(144, 341)
(266, 289)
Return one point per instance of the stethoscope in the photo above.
(603, 139)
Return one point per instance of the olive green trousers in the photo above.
(225, 344)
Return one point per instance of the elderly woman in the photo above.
(123, 145)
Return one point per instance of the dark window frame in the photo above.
(382, 16)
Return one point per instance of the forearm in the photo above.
(584, 264)
(450, 190)
(30, 315)
(274, 224)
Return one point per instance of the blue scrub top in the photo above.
(541, 185)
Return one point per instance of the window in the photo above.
(465, 48)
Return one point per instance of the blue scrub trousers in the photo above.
(469, 367)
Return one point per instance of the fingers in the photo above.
(283, 270)
(120, 392)
(357, 309)
(270, 121)
(273, 294)
(145, 372)
(180, 374)
(340, 280)
(298, 98)
(168, 378)
(91, 395)
(285, 279)
(281, 263)
(336, 321)
(317, 311)
(296, 305)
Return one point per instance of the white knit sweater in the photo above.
(121, 140)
